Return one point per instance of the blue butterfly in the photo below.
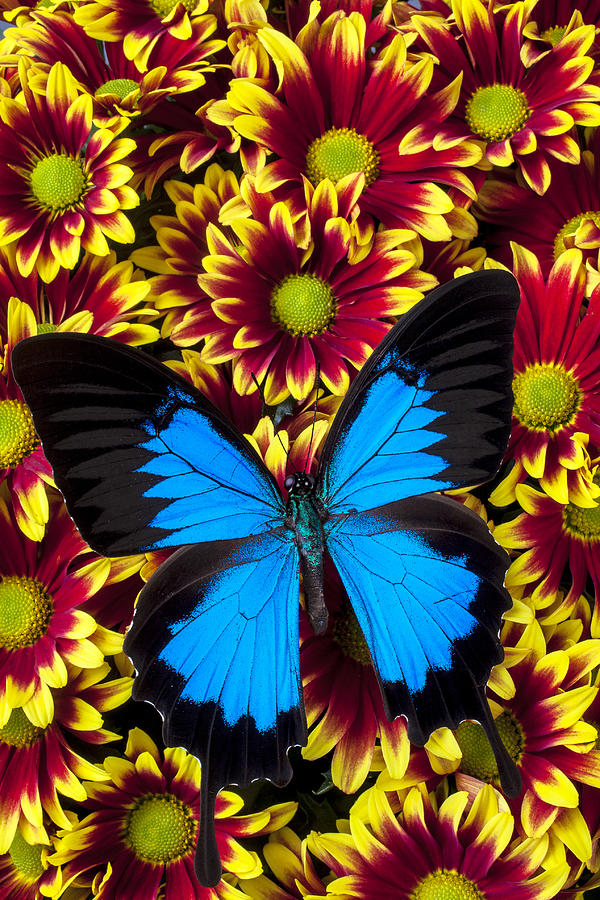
(145, 462)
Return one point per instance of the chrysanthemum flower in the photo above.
(556, 382)
(425, 851)
(144, 823)
(37, 764)
(544, 725)
(341, 112)
(140, 25)
(568, 215)
(63, 187)
(43, 626)
(290, 862)
(522, 113)
(25, 872)
(551, 20)
(554, 538)
(119, 89)
(279, 309)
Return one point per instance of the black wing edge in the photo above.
(459, 693)
(227, 755)
(75, 382)
(473, 376)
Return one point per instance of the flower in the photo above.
(551, 20)
(542, 721)
(144, 822)
(37, 763)
(556, 382)
(25, 872)
(290, 862)
(374, 116)
(63, 187)
(419, 849)
(43, 626)
(522, 113)
(553, 536)
(280, 308)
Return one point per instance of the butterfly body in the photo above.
(145, 462)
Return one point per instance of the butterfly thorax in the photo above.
(305, 516)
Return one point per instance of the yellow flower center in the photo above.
(571, 227)
(25, 611)
(478, 758)
(546, 397)
(303, 304)
(497, 111)
(553, 35)
(58, 181)
(584, 523)
(339, 152)
(119, 86)
(26, 858)
(17, 433)
(348, 635)
(164, 7)
(19, 732)
(443, 885)
(160, 829)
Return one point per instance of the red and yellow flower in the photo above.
(556, 383)
(63, 187)
(25, 872)
(144, 821)
(290, 862)
(523, 114)
(376, 116)
(418, 848)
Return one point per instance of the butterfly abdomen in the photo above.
(304, 518)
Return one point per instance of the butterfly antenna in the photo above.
(285, 449)
(314, 419)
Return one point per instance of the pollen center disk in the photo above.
(478, 757)
(25, 857)
(164, 7)
(160, 829)
(119, 86)
(303, 304)
(444, 885)
(58, 181)
(339, 152)
(17, 433)
(25, 612)
(583, 522)
(348, 635)
(497, 111)
(546, 396)
(19, 731)
(570, 227)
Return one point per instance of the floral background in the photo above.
(254, 191)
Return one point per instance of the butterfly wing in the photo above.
(431, 408)
(215, 642)
(143, 460)
(425, 579)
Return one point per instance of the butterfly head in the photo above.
(300, 484)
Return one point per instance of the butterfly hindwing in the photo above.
(143, 460)
(215, 643)
(431, 408)
(425, 579)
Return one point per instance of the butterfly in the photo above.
(146, 462)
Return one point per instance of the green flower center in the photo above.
(571, 227)
(553, 35)
(27, 859)
(303, 304)
(19, 732)
(443, 885)
(584, 523)
(46, 328)
(25, 611)
(348, 635)
(497, 111)
(478, 758)
(119, 86)
(546, 397)
(17, 433)
(58, 181)
(339, 152)
(160, 829)
(164, 7)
